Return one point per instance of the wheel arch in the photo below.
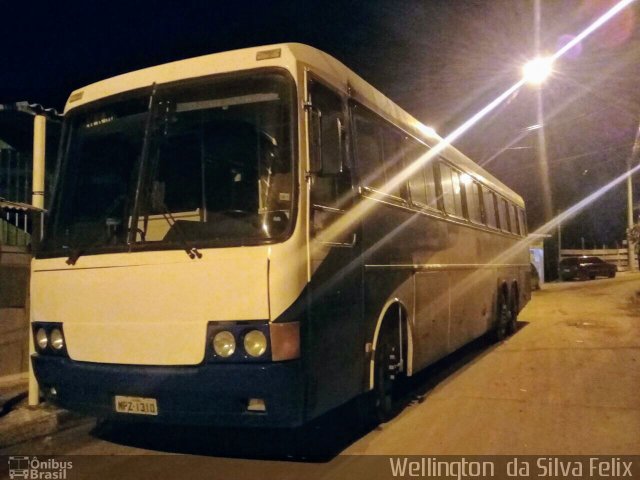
(387, 311)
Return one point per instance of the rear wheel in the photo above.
(504, 318)
(513, 321)
(612, 274)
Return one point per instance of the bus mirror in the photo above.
(315, 141)
(332, 153)
(326, 144)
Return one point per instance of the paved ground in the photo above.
(566, 383)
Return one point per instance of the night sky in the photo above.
(441, 60)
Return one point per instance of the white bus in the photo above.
(255, 237)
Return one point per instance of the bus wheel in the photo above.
(504, 318)
(387, 368)
(513, 321)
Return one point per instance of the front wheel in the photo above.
(387, 369)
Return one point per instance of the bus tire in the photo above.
(512, 326)
(504, 318)
(386, 371)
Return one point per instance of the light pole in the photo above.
(630, 223)
(535, 73)
(559, 250)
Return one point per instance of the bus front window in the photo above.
(217, 168)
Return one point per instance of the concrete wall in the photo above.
(14, 322)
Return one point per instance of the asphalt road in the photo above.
(567, 382)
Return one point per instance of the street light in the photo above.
(537, 70)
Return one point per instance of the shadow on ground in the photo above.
(318, 441)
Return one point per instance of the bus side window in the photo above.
(457, 192)
(503, 217)
(330, 179)
(522, 222)
(327, 149)
(432, 193)
(416, 181)
(473, 199)
(421, 183)
(490, 207)
(450, 182)
(393, 163)
(417, 187)
(513, 219)
(447, 188)
(370, 164)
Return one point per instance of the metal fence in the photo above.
(15, 185)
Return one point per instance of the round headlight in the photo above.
(224, 343)
(255, 343)
(41, 338)
(57, 340)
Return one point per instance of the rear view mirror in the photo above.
(326, 143)
(315, 141)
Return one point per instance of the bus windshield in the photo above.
(201, 163)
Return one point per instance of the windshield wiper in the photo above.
(192, 251)
(141, 169)
(75, 254)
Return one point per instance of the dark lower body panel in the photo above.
(208, 394)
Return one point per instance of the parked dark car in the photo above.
(584, 268)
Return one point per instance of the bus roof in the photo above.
(290, 56)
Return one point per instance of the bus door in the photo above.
(336, 284)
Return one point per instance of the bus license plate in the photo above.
(136, 405)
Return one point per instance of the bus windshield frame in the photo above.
(198, 163)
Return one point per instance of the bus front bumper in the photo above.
(206, 394)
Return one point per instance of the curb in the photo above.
(26, 423)
(8, 400)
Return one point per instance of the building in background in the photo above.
(536, 257)
(16, 171)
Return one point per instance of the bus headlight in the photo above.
(255, 343)
(57, 340)
(224, 343)
(41, 339)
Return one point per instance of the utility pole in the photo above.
(37, 200)
(630, 223)
(559, 250)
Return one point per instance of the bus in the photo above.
(255, 237)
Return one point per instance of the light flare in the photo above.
(612, 12)
(358, 213)
(537, 70)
